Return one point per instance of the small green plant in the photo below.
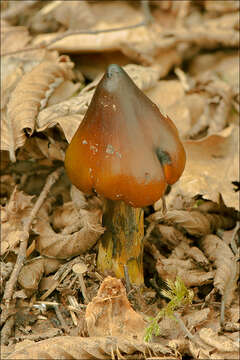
(179, 295)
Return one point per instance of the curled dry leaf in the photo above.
(221, 7)
(69, 114)
(79, 348)
(197, 223)
(169, 96)
(30, 95)
(110, 313)
(63, 246)
(169, 236)
(12, 217)
(227, 272)
(220, 343)
(184, 269)
(206, 160)
(66, 216)
(13, 37)
(31, 274)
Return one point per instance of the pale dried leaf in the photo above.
(80, 348)
(31, 274)
(66, 215)
(13, 37)
(206, 159)
(12, 217)
(196, 318)
(221, 343)
(63, 92)
(64, 246)
(110, 313)
(29, 96)
(223, 6)
(49, 148)
(209, 33)
(74, 14)
(225, 262)
(172, 268)
(197, 223)
(169, 235)
(169, 96)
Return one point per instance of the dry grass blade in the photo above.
(29, 96)
(79, 348)
(225, 279)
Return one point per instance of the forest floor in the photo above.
(55, 303)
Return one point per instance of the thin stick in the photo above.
(147, 19)
(10, 285)
(183, 327)
(61, 319)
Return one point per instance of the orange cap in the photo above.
(125, 148)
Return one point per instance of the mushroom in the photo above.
(126, 150)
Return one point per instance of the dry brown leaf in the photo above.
(74, 15)
(13, 216)
(13, 37)
(31, 274)
(80, 348)
(66, 216)
(184, 269)
(226, 276)
(110, 313)
(63, 246)
(223, 6)
(221, 343)
(195, 318)
(209, 33)
(207, 159)
(63, 92)
(197, 223)
(29, 96)
(169, 236)
(69, 114)
(50, 148)
(169, 96)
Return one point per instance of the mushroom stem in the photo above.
(122, 242)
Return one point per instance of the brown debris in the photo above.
(110, 313)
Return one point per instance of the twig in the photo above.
(10, 285)
(61, 319)
(83, 288)
(146, 20)
(73, 302)
(183, 327)
(7, 329)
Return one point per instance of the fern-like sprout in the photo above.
(179, 295)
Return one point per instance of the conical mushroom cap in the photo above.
(124, 149)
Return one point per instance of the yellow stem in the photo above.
(122, 242)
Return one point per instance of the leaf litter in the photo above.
(184, 57)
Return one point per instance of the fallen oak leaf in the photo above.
(29, 96)
(197, 223)
(63, 246)
(31, 274)
(110, 313)
(80, 348)
(225, 279)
